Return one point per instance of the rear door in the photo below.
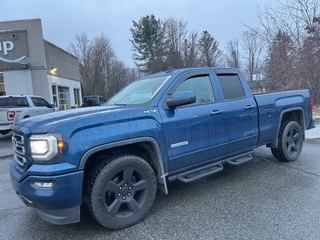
(241, 114)
(194, 133)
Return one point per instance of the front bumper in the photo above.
(59, 204)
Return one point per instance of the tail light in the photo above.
(11, 115)
(312, 104)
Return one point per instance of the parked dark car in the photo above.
(93, 100)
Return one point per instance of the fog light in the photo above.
(45, 185)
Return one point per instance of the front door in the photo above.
(195, 133)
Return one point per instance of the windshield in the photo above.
(138, 92)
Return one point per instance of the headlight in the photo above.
(45, 147)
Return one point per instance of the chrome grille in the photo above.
(19, 149)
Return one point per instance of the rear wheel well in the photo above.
(292, 116)
(296, 116)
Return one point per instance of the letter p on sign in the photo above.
(6, 46)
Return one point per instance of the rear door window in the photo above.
(14, 102)
(3, 102)
(231, 86)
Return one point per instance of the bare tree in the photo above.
(300, 20)
(103, 57)
(254, 49)
(190, 50)
(314, 30)
(81, 48)
(101, 72)
(309, 67)
(233, 53)
(119, 77)
(290, 16)
(175, 34)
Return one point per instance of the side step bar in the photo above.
(240, 159)
(206, 170)
(201, 172)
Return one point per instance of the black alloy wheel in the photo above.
(290, 142)
(121, 191)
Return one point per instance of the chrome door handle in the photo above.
(247, 107)
(216, 112)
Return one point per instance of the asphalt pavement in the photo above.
(6, 145)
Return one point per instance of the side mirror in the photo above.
(53, 108)
(181, 98)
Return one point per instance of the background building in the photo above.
(31, 65)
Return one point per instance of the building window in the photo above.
(2, 86)
(76, 97)
(54, 95)
(64, 98)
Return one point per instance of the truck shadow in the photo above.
(6, 136)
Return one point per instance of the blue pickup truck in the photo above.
(180, 125)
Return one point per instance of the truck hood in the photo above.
(82, 118)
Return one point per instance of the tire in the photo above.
(290, 142)
(121, 191)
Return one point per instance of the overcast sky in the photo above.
(63, 19)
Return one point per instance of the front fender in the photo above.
(103, 147)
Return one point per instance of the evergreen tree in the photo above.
(210, 54)
(280, 64)
(148, 43)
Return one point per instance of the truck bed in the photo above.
(273, 105)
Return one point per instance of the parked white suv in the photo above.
(16, 107)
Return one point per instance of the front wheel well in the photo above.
(145, 150)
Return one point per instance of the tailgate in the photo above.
(3, 116)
